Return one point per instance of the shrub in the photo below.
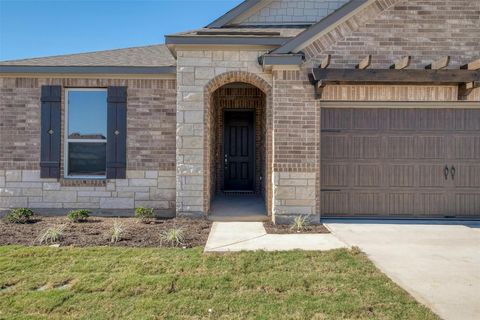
(300, 223)
(52, 234)
(116, 232)
(19, 215)
(78, 215)
(174, 236)
(144, 214)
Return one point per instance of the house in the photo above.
(325, 108)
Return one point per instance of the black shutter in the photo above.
(50, 131)
(117, 133)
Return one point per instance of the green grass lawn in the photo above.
(133, 283)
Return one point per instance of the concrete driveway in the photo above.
(437, 263)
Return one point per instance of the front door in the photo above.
(239, 151)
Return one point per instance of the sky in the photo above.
(43, 28)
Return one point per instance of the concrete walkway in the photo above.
(437, 263)
(238, 236)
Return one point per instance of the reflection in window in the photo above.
(86, 133)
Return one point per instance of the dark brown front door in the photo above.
(400, 162)
(239, 151)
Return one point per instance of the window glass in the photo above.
(86, 133)
(87, 114)
(86, 159)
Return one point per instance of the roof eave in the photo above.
(205, 40)
(88, 69)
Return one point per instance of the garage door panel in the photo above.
(366, 119)
(401, 203)
(335, 203)
(430, 147)
(367, 175)
(335, 175)
(336, 119)
(431, 176)
(368, 203)
(335, 147)
(366, 147)
(467, 176)
(401, 175)
(466, 147)
(467, 203)
(467, 119)
(400, 147)
(432, 204)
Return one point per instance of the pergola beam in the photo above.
(395, 76)
(439, 64)
(326, 62)
(402, 63)
(365, 63)
(474, 65)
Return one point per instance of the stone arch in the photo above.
(209, 90)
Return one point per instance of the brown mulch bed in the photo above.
(97, 231)
(286, 229)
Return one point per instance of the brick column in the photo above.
(296, 136)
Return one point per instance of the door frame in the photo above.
(254, 121)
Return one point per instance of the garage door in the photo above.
(400, 162)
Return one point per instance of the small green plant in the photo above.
(78, 215)
(144, 214)
(116, 231)
(19, 215)
(173, 236)
(300, 223)
(52, 234)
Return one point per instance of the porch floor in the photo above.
(238, 208)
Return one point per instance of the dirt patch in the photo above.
(97, 231)
(286, 229)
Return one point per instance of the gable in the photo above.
(290, 12)
(422, 29)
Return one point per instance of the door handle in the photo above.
(452, 172)
(445, 172)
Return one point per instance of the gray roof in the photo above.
(148, 56)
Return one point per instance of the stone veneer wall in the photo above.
(150, 179)
(199, 74)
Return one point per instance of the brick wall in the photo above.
(390, 29)
(151, 112)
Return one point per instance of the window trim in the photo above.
(67, 140)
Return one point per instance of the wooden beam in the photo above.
(319, 86)
(474, 65)
(395, 76)
(325, 62)
(365, 63)
(464, 89)
(439, 64)
(402, 63)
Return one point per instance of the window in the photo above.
(86, 133)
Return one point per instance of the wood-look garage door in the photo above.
(400, 162)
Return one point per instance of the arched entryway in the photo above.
(238, 140)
